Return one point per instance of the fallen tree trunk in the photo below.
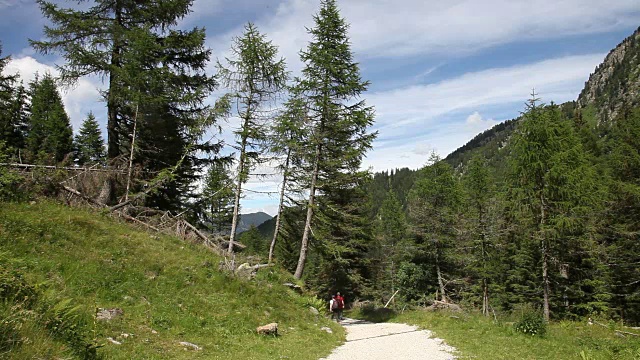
(53, 167)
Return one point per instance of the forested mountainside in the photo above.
(542, 209)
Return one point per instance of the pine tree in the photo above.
(10, 97)
(622, 229)
(391, 247)
(255, 76)
(156, 78)
(434, 209)
(287, 141)
(98, 40)
(554, 184)
(50, 133)
(339, 121)
(88, 143)
(217, 199)
(481, 224)
(253, 240)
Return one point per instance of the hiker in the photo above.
(340, 301)
(333, 307)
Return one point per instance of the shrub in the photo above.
(531, 323)
(9, 180)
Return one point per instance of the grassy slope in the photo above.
(477, 337)
(163, 285)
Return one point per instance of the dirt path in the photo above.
(386, 341)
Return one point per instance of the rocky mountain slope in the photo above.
(615, 84)
(613, 87)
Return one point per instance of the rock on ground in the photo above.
(269, 329)
(389, 341)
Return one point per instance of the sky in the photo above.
(440, 71)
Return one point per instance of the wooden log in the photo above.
(78, 193)
(52, 167)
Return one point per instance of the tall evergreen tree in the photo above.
(50, 132)
(339, 122)
(390, 245)
(10, 96)
(434, 208)
(88, 143)
(287, 141)
(622, 229)
(255, 76)
(156, 78)
(554, 184)
(217, 199)
(97, 40)
(481, 225)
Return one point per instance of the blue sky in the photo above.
(440, 71)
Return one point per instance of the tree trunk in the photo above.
(545, 260)
(485, 298)
(236, 207)
(113, 141)
(133, 144)
(443, 295)
(280, 207)
(545, 280)
(307, 225)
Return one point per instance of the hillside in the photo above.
(58, 264)
(252, 219)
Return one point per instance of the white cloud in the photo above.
(445, 115)
(391, 28)
(476, 122)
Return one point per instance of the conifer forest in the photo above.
(540, 211)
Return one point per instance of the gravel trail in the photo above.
(386, 341)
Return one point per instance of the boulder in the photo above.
(190, 345)
(440, 305)
(269, 329)
(294, 287)
(108, 314)
(328, 330)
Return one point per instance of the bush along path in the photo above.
(383, 341)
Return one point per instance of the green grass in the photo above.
(169, 290)
(477, 337)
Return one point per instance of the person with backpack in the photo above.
(333, 308)
(340, 301)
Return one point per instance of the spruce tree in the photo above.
(287, 142)
(156, 78)
(98, 40)
(622, 227)
(481, 221)
(10, 96)
(50, 134)
(434, 208)
(216, 200)
(554, 186)
(255, 76)
(391, 246)
(339, 121)
(88, 143)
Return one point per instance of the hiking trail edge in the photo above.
(384, 341)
